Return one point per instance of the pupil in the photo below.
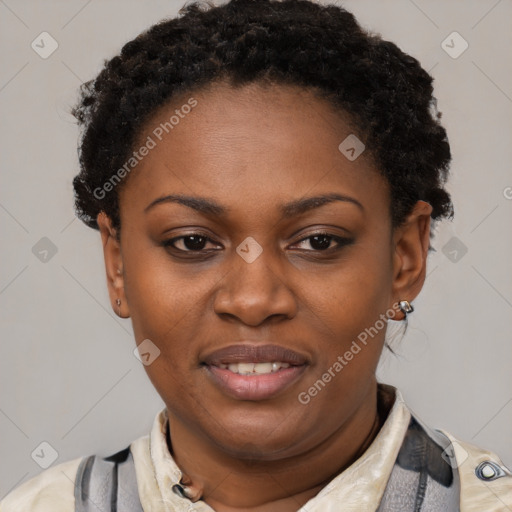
(320, 245)
(194, 243)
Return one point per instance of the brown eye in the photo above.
(188, 243)
(320, 242)
(323, 242)
(194, 242)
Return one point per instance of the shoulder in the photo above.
(482, 481)
(50, 491)
(73, 485)
(485, 482)
(84, 484)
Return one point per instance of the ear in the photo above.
(113, 265)
(411, 242)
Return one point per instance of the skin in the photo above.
(251, 150)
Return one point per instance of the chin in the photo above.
(264, 444)
(257, 451)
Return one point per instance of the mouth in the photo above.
(254, 372)
(254, 368)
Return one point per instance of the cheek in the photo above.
(351, 297)
(165, 307)
(158, 297)
(168, 304)
(351, 315)
(350, 307)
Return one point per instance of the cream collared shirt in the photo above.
(360, 487)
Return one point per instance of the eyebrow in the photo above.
(210, 207)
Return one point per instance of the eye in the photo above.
(194, 242)
(197, 243)
(323, 242)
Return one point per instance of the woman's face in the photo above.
(248, 268)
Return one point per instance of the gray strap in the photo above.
(107, 484)
(424, 477)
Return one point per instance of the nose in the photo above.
(255, 292)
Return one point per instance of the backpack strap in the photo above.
(107, 484)
(425, 476)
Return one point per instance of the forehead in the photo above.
(253, 145)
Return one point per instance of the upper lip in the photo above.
(250, 353)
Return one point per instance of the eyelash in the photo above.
(341, 241)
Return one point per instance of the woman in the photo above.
(265, 177)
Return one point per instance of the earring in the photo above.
(405, 307)
(118, 302)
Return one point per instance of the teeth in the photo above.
(245, 368)
(254, 368)
(264, 368)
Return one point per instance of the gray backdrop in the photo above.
(68, 374)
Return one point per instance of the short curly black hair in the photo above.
(385, 92)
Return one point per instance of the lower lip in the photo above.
(254, 387)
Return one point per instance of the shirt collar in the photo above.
(358, 487)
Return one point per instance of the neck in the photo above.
(229, 484)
